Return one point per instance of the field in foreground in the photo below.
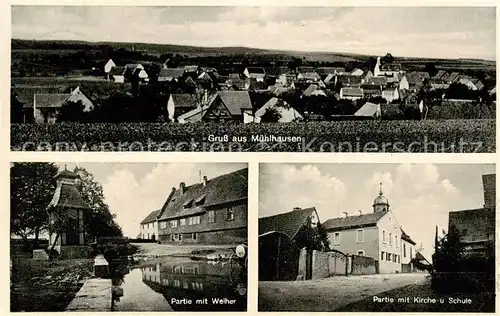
(458, 136)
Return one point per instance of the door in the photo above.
(72, 232)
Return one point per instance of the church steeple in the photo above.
(381, 203)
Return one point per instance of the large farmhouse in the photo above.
(211, 212)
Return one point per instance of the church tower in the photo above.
(376, 70)
(380, 204)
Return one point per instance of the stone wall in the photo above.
(327, 264)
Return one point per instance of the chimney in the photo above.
(182, 187)
(205, 181)
(360, 213)
(297, 208)
(345, 213)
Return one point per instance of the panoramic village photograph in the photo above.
(377, 237)
(258, 79)
(101, 237)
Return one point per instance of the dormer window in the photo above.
(187, 204)
(200, 200)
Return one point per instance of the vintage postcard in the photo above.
(253, 79)
(377, 237)
(97, 237)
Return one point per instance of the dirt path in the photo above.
(328, 294)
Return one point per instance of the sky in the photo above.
(420, 195)
(133, 190)
(452, 32)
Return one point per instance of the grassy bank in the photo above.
(46, 286)
(346, 136)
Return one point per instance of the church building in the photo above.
(377, 235)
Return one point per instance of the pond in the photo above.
(181, 284)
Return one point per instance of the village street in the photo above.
(329, 294)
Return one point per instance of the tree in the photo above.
(72, 112)
(272, 115)
(449, 252)
(430, 68)
(100, 221)
(31, 190)
(387, 59)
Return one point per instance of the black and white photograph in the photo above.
(97, 237)
(357, 237)
(253, 79)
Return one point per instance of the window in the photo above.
(148, 235)
(173, 223)
(179, 237)
(361, 252)
(383, 237)
(336, 238)
(390, 239)
(404, 250)
(389, 256)
(396, 241)
(381, 255)
(163, 225)
(411, 255)
(200, 200)
(194, 220)
(399, 259)
(230, 214)
(194, 236)
(360, 236)
(394, 258)
(182, 222)
(188, 203)
(211, 216)
(172, 237)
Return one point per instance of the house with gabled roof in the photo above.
(309, 77)
(108, 66)
(312, 90)
(357, 72)
(452, 77)
(369, 109)
(390, 94)
(214, 211)
(223, 105)
(170, 74)
(131, 70)
(351, 93)
(287, 112)
(348, 81)
(46, 106)
(117, 74)
(292, 223)
(387, 69)
(257, 73)
(379, 81)
(376, 234)
(149, 226)
(441, 75)
(281, 237)
(180, 103)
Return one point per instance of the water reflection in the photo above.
(199, 285)
(184, 285)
